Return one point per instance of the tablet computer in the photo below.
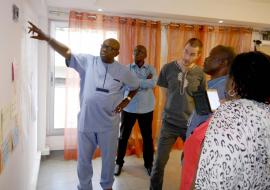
(213, 99)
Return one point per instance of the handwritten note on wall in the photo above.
(9, 131)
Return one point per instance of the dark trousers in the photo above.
(145, 124)
(168, 136)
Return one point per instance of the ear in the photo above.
(225, 62)
(145, 55)
(116, 53)
(225, 65)
(230, 84)
(199, 54)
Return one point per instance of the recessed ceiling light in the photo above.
(220, 21)
(100, 10)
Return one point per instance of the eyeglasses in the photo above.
(109, 48)
(139, 51)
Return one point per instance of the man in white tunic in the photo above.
(102, 81)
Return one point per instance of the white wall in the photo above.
(244, 12)
(253, 11)
(20, 171)
(43, 77)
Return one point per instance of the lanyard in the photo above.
(105, 76)
(103, 89)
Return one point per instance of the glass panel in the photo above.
(87, 41)
(61, 34)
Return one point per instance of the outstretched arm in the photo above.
(57, 46)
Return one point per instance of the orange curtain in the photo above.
(130, 32)
(178, 34)
(238, 38)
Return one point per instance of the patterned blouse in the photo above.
(236, 150)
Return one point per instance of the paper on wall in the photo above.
(1, 130)
(6, 148)
(14, 101)
(1, 160)
(15, 137)
(6, 119)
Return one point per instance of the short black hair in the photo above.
(226, 52)
(195, 42)
(251, 74)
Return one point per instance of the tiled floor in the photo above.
(57, 174)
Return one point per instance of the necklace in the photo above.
(181, 77)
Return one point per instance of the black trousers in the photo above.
(145, 124)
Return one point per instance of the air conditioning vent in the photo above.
(266, 35)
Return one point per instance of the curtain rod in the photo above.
(93, 16)
(140, 20)
(165, 24)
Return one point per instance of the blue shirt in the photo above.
(96, 114)
(196, 119)
(144, 100)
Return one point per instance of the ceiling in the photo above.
(250, 13)
(261, 1)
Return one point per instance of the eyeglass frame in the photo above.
(108, 47)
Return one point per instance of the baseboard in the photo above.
(55, 142)
(45, 151)
(36, 166)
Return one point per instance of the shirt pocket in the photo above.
(114, 85)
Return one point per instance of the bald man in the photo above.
(102, 81)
